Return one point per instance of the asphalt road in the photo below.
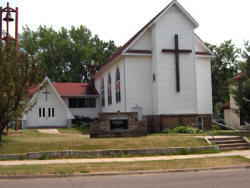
(216, 179)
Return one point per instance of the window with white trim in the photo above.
(117, 85)
(109, 90)
(46, 112)
(82, 102)
(103, 92)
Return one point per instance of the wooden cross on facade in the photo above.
(176, 51)
(46, 93)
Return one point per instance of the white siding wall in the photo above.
(86, 112)
(144, 42)
(160, 97)
(60, 119)
(139, 83)
(204, 85)
(115, 106)
(231, 118)
(155, 88)
(198, 47)
(171, 102)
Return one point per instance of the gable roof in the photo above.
(71, 89)
(47, 80)
(208, 52)
(132, 40)
(75, 89)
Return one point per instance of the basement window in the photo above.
(200, 123)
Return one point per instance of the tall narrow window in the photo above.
(53, 112)
(103, 92)
(49, 112)
(40, 112)
(109, 90)
(117, 85)
(43, 112)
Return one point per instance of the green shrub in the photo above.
(181, 129)
(194, 130)
(166, 131)
(184, 129)
(215, 127)
(81, 120)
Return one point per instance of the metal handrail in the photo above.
(209, 133)
(222, 125)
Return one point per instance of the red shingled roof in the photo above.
(71, 89)
(240, 75)
(226, 105)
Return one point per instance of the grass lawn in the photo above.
(67, 169)
(33, 141)
(75, 130)
(232, 132)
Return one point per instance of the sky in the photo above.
(119, 20)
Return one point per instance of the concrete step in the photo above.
(235, 148)
(230, 141)
(226, 138)
(232, 145)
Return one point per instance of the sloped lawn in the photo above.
(34, 141)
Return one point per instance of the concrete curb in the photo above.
(146, 172)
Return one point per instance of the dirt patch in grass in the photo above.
(67, 169)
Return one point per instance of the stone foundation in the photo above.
(102, 128)
(207, 120)
(150, 123)
(156, 123)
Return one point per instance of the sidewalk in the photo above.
(243, 153)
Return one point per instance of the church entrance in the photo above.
(46, 116)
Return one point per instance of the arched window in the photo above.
(109, 90)
(117, 85)
(103, 92)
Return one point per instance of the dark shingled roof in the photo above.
(226, 105)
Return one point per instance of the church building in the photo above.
(160, 78)
(164, 70)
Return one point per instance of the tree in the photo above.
(241, 87)
(224, 67)
(66, 55)
(19, 73)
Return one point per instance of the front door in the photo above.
(46, 116)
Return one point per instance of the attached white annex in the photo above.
(56, 104)
(163, 70)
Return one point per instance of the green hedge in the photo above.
(182, 129)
